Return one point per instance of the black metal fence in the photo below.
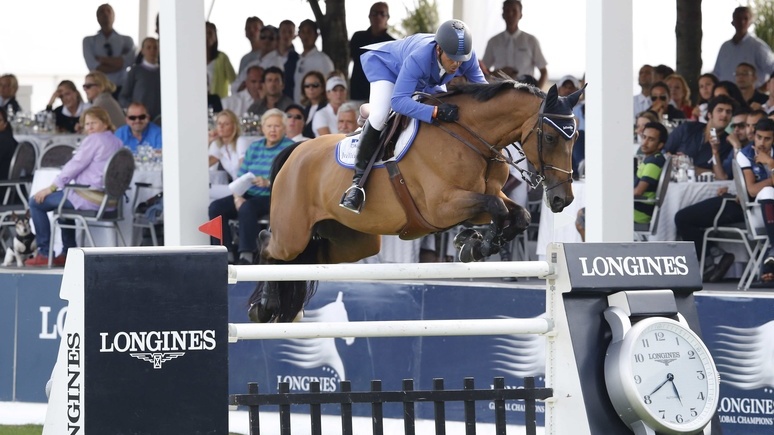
(408, 397)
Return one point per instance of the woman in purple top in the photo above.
(87, 167)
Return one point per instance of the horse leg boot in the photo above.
(354, 197)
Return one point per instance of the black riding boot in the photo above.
(354, 197)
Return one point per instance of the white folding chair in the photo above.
(643, 232)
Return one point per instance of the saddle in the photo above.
(416, 225)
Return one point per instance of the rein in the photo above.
(533, 179)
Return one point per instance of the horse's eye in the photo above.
(550, 138)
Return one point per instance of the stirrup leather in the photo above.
(362, 191)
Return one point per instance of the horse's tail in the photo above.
(280, 159)
(281, 301)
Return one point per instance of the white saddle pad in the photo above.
(346, 150)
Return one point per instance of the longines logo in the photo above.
(664, 357)
(157, 347)
(634, 266)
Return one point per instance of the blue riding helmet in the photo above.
(455, 40)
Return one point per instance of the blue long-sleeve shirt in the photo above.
(412, 64)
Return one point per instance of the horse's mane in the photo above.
(487, 91)
(279, 161)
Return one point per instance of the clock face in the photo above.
(670, 374)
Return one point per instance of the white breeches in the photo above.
(380, 102)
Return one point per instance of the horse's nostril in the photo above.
(557, 204)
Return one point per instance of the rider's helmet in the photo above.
(455, 40)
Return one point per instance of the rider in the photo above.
(396, 69)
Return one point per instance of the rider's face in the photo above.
(449, 65)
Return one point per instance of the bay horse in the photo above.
(453, 171)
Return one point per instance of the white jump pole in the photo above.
(402, 328)
(398, 271)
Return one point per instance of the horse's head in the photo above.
(555, 131)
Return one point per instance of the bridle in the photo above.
(532, 179)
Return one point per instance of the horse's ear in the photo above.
(575, 96)
(552, 97)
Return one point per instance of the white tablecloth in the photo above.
(681, 195)
(104, 237)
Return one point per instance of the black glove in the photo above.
(448, 112)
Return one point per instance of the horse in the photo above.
(454, 172)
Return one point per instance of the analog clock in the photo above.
(660, 375)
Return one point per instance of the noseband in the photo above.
(541, 176)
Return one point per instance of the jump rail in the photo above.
(397, 271)
(400, 328)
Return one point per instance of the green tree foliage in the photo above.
(764, 20)
(423, 19)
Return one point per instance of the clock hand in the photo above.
(674, 387)
(669, 378)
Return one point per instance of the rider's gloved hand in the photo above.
(448, 112)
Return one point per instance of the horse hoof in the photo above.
(471, 252)
(465, 236)
(259, 314)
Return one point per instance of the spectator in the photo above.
(768, 106)
(513, 51)
(99, 92)
(139, 130)
(269, 38)
(223, 154)
(757, 163)
(295, 123)
(273, 98)
(347, 118)
(746, 77)
(8, 88)
(649, 171)
(254, 203)
(8, 146)
(732, 90)
(311, 59)
(567, 85)
(645, 80)
(108, 51)
(707, 84)
(642, 120)
(143, 82)
(87, 167)
(325, 120)
(377, 32)
(313, 99)
(660, 97)
(253, 91)
(67, 116)
(681, 93)
(743, 47)
(661, 72)
(253, 26)
(695, 140)
(219, 69)
(284, 56)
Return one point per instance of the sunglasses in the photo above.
(89, 86)
(297, 117)
(312, 85)
(658, 97)
(136, 117)
(108, 49)
(739, 125)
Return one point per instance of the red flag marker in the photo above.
(214, 228)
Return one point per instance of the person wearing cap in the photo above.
(514, 51)
(294, 125)
(396, 69)
(567, 85)
(325, 120)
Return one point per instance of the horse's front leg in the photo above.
(518, 219)
(494, 237)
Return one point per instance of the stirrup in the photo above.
(344, 196)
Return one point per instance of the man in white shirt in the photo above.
(311, 58)
(743, 47)
(108, 51)
(642, 100)
(513, 51)
(242, 100)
